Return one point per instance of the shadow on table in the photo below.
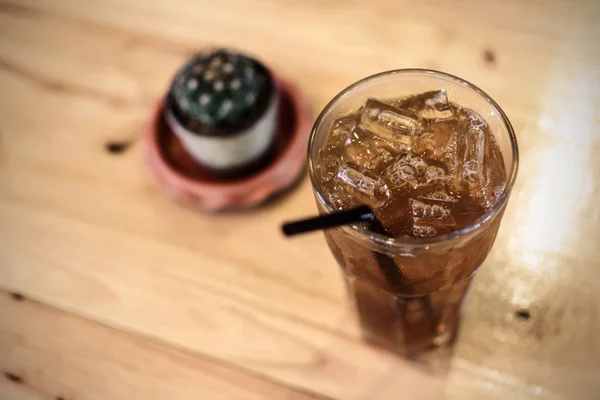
(375, 373)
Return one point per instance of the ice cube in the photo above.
(395, 216)
(495, 184)
(448, 223)
(439, 195)
(436, 216)
(360, 152)
(450, 157)
(434, 174)
(429, 105)
(468, 119)
(495, 175)
(344, 126)
(400, 175)
(435, 139)
(343, 131)
(363, 185)
(395, 126)
(423, 231)
(422, 210)
(329, 167)
(382, 156)
(339, 198)
(405, 171)
(471, 169)
(365, 152)
(416, 162)
(357, 145)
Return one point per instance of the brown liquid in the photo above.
(427, 167)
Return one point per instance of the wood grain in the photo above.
(56, 355)
(12, 391)
(88, 233)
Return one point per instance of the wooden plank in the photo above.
(89, 233)
(455, 39)
(14, 391)
(51, 354)
(167, 298)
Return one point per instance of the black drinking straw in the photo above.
(386, 263)
(352, 216)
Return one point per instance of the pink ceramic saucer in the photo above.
(189, 183)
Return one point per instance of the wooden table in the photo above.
(111, 291)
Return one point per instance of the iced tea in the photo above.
(431, 169)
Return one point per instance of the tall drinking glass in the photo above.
(408, 291)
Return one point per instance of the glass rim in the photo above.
(400, 242)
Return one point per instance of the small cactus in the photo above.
(220, 92)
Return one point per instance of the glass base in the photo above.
(407, 325)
